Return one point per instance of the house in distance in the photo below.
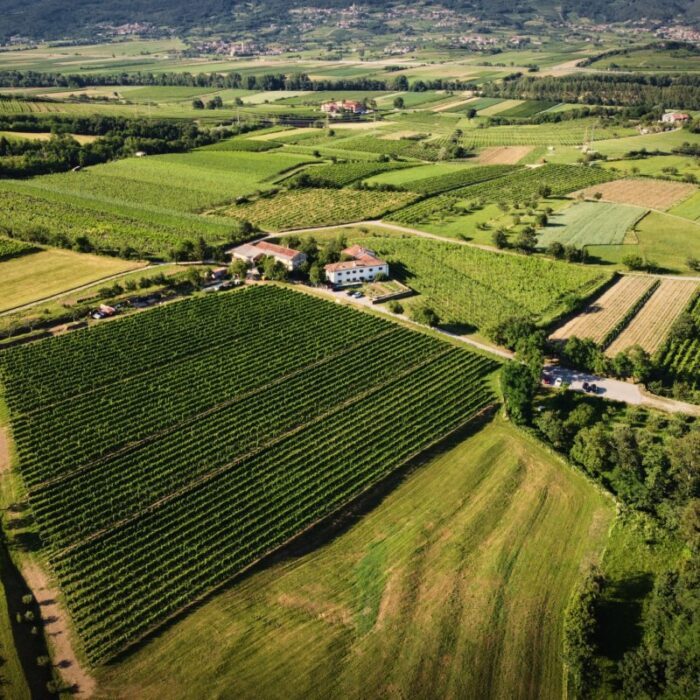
(675, 118)
(363, 265)
(336, 108)
(253, 252)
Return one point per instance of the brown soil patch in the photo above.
(503, 155)
(642, 192)
(58, 632)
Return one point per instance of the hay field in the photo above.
(643, 192)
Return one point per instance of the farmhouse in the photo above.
(352, 106)
(363, 267)
(675, 118)
(252, 252)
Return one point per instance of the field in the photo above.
(201, 429)
(503, 155)
(304, 208)
(474, 288)
(590, 223)
(601, 317)
(664, 240)
(651, 324)
(478, 574)
(681, 358)
(148, 204)
(647, 193)
(341, 174)
(48, 272)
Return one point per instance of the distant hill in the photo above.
(64, 18)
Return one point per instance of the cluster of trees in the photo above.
(220, 81)
(117, 138)
(643, 91)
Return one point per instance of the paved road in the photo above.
(617, 390)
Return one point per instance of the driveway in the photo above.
(615, 390)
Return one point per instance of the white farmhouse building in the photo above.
(252, 252)
(364, 267)
(675, 118)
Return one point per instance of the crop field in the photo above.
(386, 596)
(304, 208)
(503, 155)
(651, 324)
(200, 430)
(239, 143)
(11, 248)
(604, 314)
(47, 272)
(457, 179)
(406, 148)
(571, 133)
(590, 223)
(681, 358)
(643, 192)
(689, 208)
(527, 109)
(422, 171)
(25, 107)
(472, 287)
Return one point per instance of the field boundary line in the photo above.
(208, 476)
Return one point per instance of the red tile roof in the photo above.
(274, 249)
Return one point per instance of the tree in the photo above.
(425, 315)
(499, 238)
(238, 268)
(274, 270)
(471, 113)
(194, 277)
(598, 196)
(541, 220)
(519, 388)
(316, 274)
(556, 250)
(526, 240)
(197, 104)
(633, 262)
(398, 102)
(693, 264)
(544, 191)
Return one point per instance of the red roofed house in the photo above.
(675, 117)
(252, 252)
(364, 267)
(352, 106)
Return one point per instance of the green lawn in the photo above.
(665, 240)
(48, 272)
(453, 586)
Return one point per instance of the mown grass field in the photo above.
(435, 592)
(590, 223)
(52, 271)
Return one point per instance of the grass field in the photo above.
(590, 223)
(605, 312)
(244, 440)
(48, 272)
(664, 240)
(436, 592)
(468, 287)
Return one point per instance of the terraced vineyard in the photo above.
(305, 208)
(199, 447)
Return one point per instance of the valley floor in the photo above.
(457, 581)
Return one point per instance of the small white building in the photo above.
(253, 252)
(364, 267)
(675, 118)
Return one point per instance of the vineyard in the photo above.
(406, 148)
(651, 324)
(680, 359)
(304, 208)
(457, 179)
(517, 186)
(601, 316)
(195, 450)
(466, 285)
(341, 174)
(10, 248)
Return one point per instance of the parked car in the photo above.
(586, 386)
(593, 388)
(558, 382)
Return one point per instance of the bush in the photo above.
(425, 315)
(395, 307)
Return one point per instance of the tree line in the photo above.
(624, 89)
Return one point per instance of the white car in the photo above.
(558, 382)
